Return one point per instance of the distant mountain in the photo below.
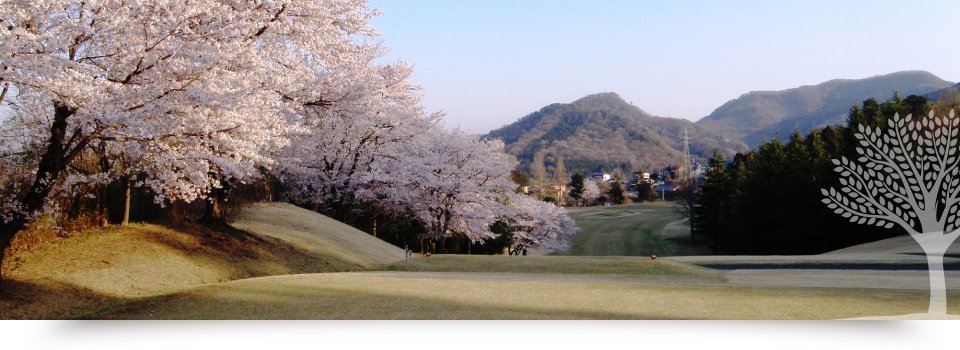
(766, 114)
(950, 95)
(602, 132)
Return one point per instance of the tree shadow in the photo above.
(312, 297)
(326, 303)
(48, 299)
(60, 289)
(248, 254)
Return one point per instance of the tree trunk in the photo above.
(5, 238)
(104, 200)
(213, 214)
(938, 285)
(103, 205)
(52, 163)
(935, 246)
(126, 201)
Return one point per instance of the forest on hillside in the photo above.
(770, 200)
(603, 133)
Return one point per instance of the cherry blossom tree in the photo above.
(591, 191)
(202, 90)
(452, 183)
(538, 225)
(908, 176)
(334, 163)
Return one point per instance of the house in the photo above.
(668, 172)
(601, 177)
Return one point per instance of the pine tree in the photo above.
(615, 193)
(756, 225)
(576, 187)
(711, 206)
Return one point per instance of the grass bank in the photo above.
(68, 277)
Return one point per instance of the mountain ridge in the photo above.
(759, 115)
(602, 132)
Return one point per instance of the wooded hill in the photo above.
(770, 114)
(602, 132)
(949, 95)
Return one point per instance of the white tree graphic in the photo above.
(906, 175)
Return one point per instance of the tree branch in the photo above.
(161, 137)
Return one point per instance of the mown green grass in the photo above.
(601, 265)
(628, 230)
(424, 295)
(341, 246)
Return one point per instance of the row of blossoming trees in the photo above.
(183, 97)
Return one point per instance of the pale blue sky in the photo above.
(488, 63)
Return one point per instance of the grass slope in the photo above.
(342, 245)
(642, 229)
(119, 265)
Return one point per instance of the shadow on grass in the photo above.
(49, 300)
(356, 296)
(177, 255)
(246, 252)
(323, 303)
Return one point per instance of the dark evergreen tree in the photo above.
(616, 194)
(521, 179)
(773, 201)
(756, 226)
(645, 192)
(711, 204)
(576, 187)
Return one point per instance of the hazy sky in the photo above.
(488, 63)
